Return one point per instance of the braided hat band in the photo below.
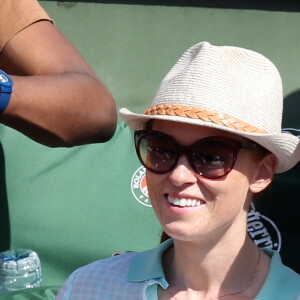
(203, 114)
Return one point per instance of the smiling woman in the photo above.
(217, 191)
(210, 140)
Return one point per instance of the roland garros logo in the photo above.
(139, 187)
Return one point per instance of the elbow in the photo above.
(97, 130)
(106, 130)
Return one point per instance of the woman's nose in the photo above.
(183, 173)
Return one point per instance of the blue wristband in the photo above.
(4, 100)
(6, 84)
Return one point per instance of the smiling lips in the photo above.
(184, 202)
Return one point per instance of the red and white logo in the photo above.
(139, 187)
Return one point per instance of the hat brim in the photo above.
(283, 145)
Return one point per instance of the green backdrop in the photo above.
(77, 205)
(131, 47)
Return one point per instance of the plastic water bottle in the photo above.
(19, 269)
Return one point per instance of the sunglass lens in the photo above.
(157, 153)
(212, 159)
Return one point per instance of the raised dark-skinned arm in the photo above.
(57, 99)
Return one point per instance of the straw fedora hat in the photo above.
(228, 88)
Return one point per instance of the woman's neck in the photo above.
(211, 271)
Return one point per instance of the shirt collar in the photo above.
(152, 270)
(151, 260)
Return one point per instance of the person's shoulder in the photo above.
(286, 282)
(282, 282)
(121, 276)
(116, 265)
(282, 271)
(102, 279)
(289, 277)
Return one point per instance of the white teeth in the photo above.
(184, 202)
(175, 202)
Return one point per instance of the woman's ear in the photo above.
(264, 174)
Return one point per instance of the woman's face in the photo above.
(220, 204)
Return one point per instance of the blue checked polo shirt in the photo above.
(136, 275)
